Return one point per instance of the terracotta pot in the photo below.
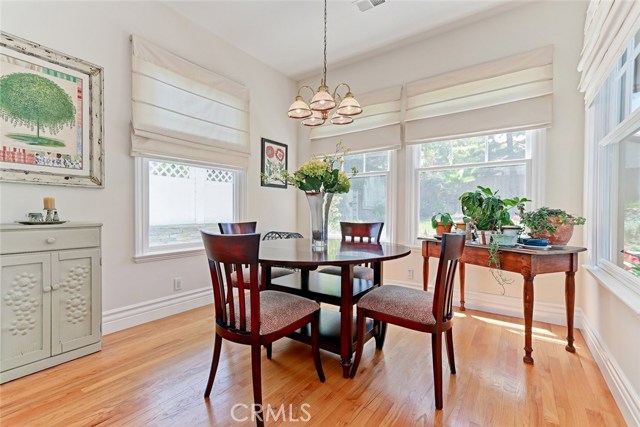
(561, 236)
(443, 228)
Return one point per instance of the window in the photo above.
(443, 170)
(614, 123)
(368, 200)
(179, 199)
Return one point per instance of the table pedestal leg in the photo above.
(346, 319)
(570, 299)
(528, 318)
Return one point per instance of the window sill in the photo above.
(630, 297)
(161, 256)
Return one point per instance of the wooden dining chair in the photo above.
(419, 310)
(255, 317)
(246, 228)
(358, 232)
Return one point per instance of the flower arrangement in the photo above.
(320, 175)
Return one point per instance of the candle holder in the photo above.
(49, 217)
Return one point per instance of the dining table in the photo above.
(337, 326)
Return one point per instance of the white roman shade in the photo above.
(608, 29)
(185, 112)
(377, 128)
(508, 94)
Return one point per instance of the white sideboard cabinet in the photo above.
(50, 295)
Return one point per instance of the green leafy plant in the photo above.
(444, 218)
(487, 210)
(538, 221)
(494, 261)
(319, 174)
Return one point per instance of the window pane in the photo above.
(377, 161)
(435, 154)
(356, 160)
(440, 189)
(624, 206)
(366, 202)
(507, 146)
(635, 95)
(468, 150)
(183, 199)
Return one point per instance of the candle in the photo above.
(49, 203)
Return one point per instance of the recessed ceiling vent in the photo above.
(365, 5)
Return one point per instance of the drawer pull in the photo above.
(55, 286)
(51, 240)
(47, 289)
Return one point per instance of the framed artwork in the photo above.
(273, 161)
(51, 116)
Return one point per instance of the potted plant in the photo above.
(488, 211)
(442, 223)
(554, 225)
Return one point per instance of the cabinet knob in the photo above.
(55, 286)
(47, 289)
(51, 240)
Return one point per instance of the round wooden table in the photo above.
(337, 329)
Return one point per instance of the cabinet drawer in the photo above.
(14, 241)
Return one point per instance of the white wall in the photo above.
(99, 33)
(505, 33)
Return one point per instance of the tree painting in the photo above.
(38, 103)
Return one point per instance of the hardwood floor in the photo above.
(155, 375)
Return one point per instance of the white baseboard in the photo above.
(137, 314)
(507, 306)
(623, 392)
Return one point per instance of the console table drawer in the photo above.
(48, 240)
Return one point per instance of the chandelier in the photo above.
(316, 112)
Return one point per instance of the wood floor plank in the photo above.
(155, 374)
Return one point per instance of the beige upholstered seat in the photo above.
(277, 310)
(401, 302)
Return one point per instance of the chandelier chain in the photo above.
(324, 70)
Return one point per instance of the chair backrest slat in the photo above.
(368, 232)
(450, 253)
(237, 227)
(227, 254)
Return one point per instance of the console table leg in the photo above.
(570, 299)
(528, 318)
(461, 267)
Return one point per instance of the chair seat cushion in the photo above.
(275, 273)
(277, 310)
(399, 301)
(359, 272)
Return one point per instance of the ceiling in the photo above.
(287, 35)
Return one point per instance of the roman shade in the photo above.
(377, 128)
(185, 112)
(508, 94)
(609, 27)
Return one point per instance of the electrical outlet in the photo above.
(177, 283)
(410, 273)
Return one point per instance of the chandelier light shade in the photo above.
(299, 109)
(315, 112)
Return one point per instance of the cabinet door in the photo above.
(76, 310)
(25, 309)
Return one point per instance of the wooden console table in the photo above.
(529, 263)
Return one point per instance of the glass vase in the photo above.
(319, 205)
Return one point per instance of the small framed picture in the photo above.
(273, 161)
